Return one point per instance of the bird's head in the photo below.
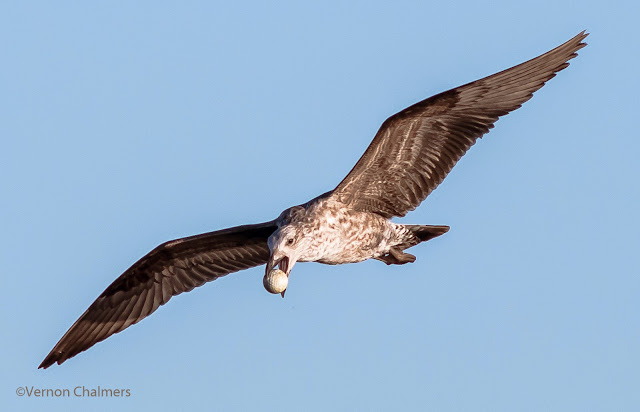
(285, 247)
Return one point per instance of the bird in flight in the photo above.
(410, 155)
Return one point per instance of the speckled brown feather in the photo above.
(415, 149)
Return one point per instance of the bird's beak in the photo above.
(283, 265)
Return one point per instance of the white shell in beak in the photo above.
(275, 281)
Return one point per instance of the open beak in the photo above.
(283, 265)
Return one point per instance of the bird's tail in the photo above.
(427, 232)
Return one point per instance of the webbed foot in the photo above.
(396, 257)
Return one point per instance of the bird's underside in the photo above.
(408, 158)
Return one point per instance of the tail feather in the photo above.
(427, 232)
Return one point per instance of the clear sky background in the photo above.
(126, 124)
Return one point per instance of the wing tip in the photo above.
(578, 42)
(574, 44)
(53, 357)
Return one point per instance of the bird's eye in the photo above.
(290, 241)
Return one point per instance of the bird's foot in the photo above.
(396, 257)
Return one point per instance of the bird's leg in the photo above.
(396, 257)
(388, 259)
(401, 257)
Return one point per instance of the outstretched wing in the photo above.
(168, 270)
(416, 148)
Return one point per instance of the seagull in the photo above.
(410, 155)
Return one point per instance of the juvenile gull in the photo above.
(408, 158)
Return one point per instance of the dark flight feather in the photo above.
(170, 269)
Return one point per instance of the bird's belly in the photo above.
(344, 236)
(341, 250)
(342, 258)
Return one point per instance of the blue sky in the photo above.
(125, 125)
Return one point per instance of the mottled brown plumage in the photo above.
(416, 148)
(409, 157)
